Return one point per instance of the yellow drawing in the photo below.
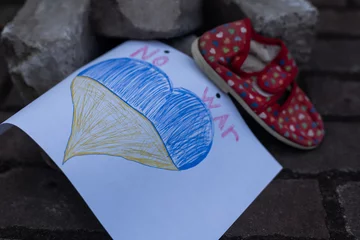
(127, 134)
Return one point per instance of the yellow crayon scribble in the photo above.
(104, 124)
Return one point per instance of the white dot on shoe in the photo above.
(263, 115)
(292, 128)
(243, 30)
(311, 133)
(220, 35)
(231, 83)
(301, 116)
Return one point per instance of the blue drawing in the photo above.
(128, 108)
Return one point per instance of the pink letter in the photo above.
(209, 99)
(144, 52)
(231, 130)
(159, 61)
(223, 119)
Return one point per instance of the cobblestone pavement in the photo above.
(315, 197)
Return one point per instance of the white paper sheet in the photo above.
(169, 158)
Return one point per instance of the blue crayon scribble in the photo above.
(181, 119)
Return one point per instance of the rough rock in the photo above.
(293, 21)
(45, 42)
(146, 19)
(183, 44)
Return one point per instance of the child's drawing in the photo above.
(128, 108)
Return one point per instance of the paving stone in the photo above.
(333, 96)
(17, 146)
(329, 3)
(340, 151)
(286, 207)
(339, 22)
(42, 199)
(341, 56)
(349, 199)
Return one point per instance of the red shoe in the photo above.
(260, 74)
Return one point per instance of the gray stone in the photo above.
(40, 198)
(349, 199)
(329, 3)
(339, 22)
(293, 21)
(47, 41)
(183, 44)
(286, 207)
(146, 19)
(339, 56)
(335, 97)
(17, 147)
(340, 151)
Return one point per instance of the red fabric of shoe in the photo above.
(260, 73)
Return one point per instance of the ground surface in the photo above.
(315, 197)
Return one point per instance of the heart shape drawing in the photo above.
(128, 108)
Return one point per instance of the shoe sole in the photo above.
(220, 83)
